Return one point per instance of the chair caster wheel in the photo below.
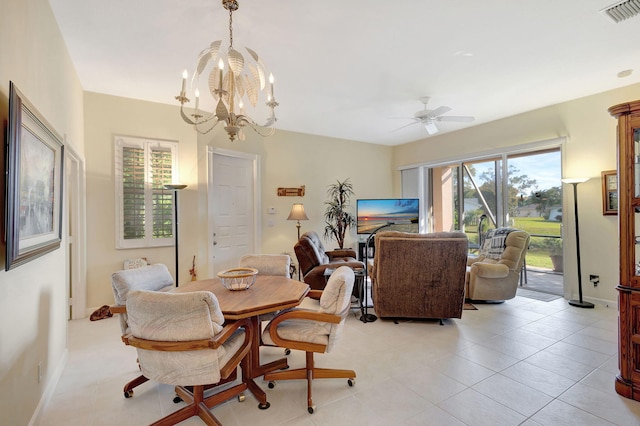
(287, 351)
(351, 382)
(128, 394)
(264, 406)
(241, 397)
(311, 409)
(271, 385)
(177, 399)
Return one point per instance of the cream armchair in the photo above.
(493, 275)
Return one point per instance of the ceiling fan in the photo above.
(429, 117)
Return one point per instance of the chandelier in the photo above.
(230, 81)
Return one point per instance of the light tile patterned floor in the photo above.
(522, 362)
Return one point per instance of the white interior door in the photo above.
(74, 217)
(232, 205)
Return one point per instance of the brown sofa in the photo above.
(419, 275)
(313, 259)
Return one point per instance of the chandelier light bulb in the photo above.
(185, 74)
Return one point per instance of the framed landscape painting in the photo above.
(33, 222)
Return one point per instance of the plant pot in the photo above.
(556, 259)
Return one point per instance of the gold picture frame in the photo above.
(610, 192)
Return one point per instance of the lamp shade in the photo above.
(297, 212)
(575, 180)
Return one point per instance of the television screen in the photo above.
(373, 213)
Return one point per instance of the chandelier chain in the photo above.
(230, 28)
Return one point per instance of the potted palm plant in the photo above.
(336, 216)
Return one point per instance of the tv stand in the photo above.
(361, 249)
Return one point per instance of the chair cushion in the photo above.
(154, 277)
(267, 264)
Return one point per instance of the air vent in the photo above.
(623, 10)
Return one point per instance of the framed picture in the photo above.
(33, 220)
(609, 192)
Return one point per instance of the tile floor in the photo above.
(522, 362)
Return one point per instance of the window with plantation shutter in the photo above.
(144, 206)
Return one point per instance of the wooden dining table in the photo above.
(268, 294)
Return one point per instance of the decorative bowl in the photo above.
(238, 278)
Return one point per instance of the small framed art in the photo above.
(610, 192)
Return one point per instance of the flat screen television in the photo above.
(404, 213)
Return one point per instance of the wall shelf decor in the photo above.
(291, 192)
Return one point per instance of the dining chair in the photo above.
(155, 278)
(315, 328)
(182, 339)
(268, 264)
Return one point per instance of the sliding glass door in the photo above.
(520, 190)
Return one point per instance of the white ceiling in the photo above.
(343, 68)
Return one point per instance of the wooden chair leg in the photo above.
(310, 372)
(198, 405)
(128, 388)
(310, 375)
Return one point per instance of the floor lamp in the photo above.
(579, 303)
(175, 187)
(297, 213)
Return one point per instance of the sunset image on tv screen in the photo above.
(374, 213)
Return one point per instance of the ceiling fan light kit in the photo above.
(231, 80)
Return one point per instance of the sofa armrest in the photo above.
(341, 253)
(489, 270)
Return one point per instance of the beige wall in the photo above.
(33, 296)
(105, 117)
(590, 149)
(286, 159)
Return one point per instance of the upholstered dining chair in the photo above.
(182, 340)
(268, 264)
(155, 278)
(315, 328)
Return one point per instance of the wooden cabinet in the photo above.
(628, 379)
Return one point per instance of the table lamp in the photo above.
(297, 213)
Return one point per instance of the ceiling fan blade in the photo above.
(459, 118)
(431, 127)
(406, 125)
(438, 111)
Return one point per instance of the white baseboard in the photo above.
(49, 389)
